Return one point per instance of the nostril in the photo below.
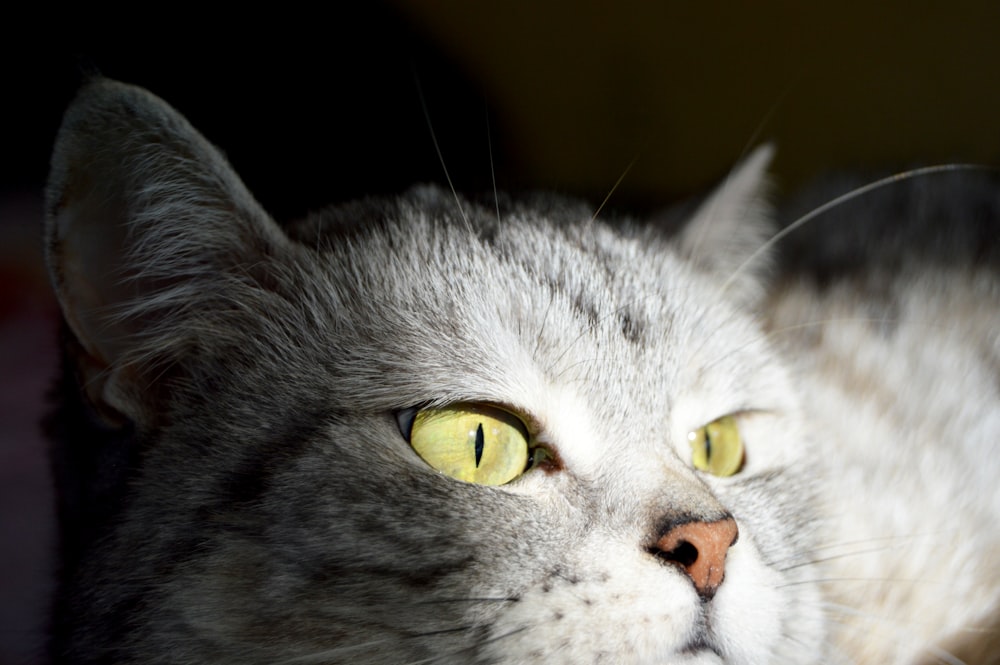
(684, 554)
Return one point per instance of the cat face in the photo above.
(286, 395)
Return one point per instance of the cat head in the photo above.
(417, 428)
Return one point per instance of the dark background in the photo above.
(318, 106)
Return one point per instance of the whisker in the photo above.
(493, 174)
(478, 644)
(484, 599)
(865, 541)
(835, 557)
(541, 327)
(847, 616)
(327, 655)
(566, 370)
(785, 329)
(593, 326)
(437, 148)
(865, 580)
(341, 651)
(346, 650)
(614, 187)
(843, 198)
(765, 121)
(820, 322)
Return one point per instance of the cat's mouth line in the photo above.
(700, 646)
(701, 642)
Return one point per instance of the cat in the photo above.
(431, 429)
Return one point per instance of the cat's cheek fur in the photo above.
(757, 607)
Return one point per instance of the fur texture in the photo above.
(235, 487)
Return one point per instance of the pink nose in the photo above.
(699, 549)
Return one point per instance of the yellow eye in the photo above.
(717, 448)
(474, 443)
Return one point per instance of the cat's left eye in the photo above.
(717, 448)
(474, 443)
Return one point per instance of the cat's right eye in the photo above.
(474, 443)
(717, 448)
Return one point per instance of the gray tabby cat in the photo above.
(415, 431)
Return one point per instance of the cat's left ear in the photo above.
(726, 234)
(148, 231)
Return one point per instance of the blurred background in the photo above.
(316, 107)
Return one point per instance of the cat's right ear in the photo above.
(727, 231)
(140, 212)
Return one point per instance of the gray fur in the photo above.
(243, 380)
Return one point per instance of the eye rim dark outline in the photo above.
(404, 420)
(406, 417)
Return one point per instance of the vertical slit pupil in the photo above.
(479, 444)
